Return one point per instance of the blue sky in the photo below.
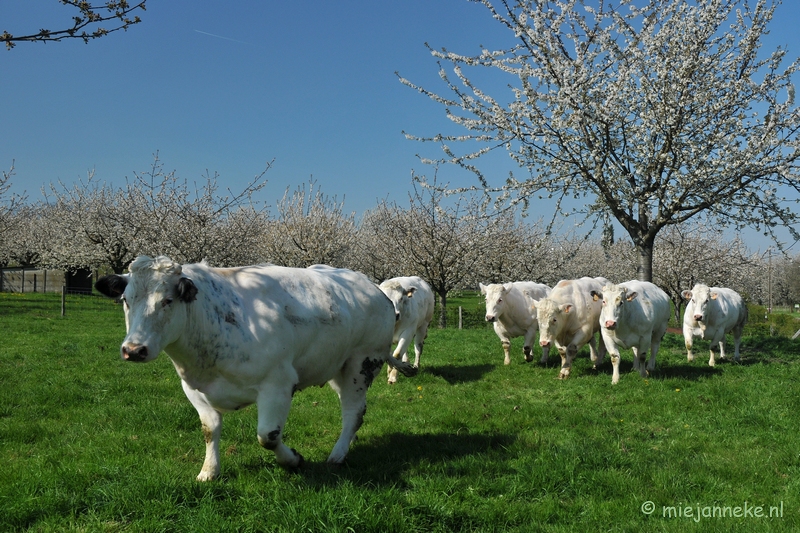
(226, 87)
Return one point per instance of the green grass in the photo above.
(91, 443)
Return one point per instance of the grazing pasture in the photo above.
(92, 443)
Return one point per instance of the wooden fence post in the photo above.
(63, 299)
(459, 317)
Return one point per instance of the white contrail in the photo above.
(220, 37)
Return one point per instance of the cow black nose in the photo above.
(136, 353)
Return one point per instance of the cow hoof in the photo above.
(204, 476)
(301, 461)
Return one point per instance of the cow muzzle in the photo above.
(544, 344)
(698, 318)
(136, 353)
(490, 318)
(610, 324)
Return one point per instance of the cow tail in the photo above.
(407, 369)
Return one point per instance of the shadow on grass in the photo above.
(454, 374)
(385, 460)
(689, 371)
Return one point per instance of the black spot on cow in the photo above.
(369, 369)
(271, 441)
(230, 318)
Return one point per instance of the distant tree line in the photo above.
(453, 242)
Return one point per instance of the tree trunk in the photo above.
(442, 310)
(644, 249)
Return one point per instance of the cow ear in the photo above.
(187, 291)
(483, 288)
(410, 292)
(632, 296)
(714, 295)
(112, 286)
(567, 308)
(687, 295)
(596, 296)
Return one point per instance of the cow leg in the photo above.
(614, 353)
(527, 348)
(722, 349)
(566, 360)
(639, 357)
(506, 351)
(274, 401)
(654, 347)
(718, 340)
(687, 341)
(211, 421)
(595, 354)
(638, 362)
(351, 385)
(401, 352)
(419, 342)
(418, 345)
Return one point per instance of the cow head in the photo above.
(699, 297)
(399, 295)
(552, 317)
(154, 295)
(614, 299)
(495, 299)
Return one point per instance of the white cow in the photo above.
(710, 314)
(508, 308)
(568, 318)
(412, 298)
(634, 315)
(258, 334)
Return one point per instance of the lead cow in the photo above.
(568, 318)
(634, 315)
(258, 334)
(413, 304)
(710, 314)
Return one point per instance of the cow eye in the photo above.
(166, 302)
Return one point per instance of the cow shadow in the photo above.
(385, 460)
(690, 371)
(454, 374)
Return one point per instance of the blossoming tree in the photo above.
(656, 111)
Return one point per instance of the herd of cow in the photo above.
(631, 315)
(258, 334)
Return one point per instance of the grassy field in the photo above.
(91, 443)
